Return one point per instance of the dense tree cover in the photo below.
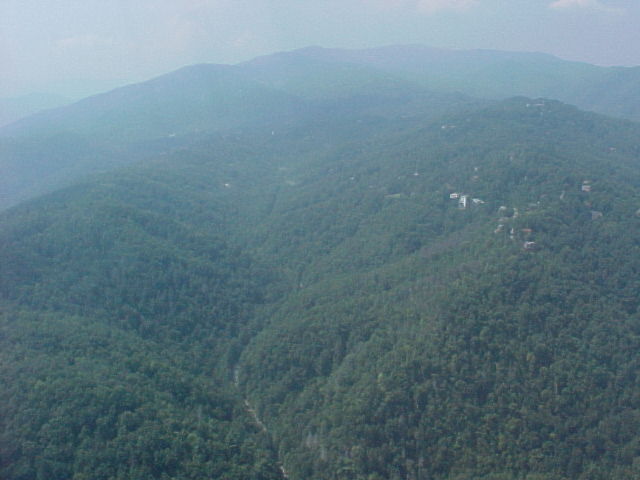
(422, 341)
(115, 308)
(515, 363)
(324, 273)
(82, 400)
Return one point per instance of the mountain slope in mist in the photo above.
(330, 280)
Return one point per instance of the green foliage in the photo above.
(418, 343)
(82, 400)
(118, 315)
(327, 278)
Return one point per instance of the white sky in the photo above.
(78, 47)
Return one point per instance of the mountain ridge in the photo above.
(401, 59)
(377, 326)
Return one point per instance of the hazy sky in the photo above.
(83, 46)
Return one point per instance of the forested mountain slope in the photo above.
(55, 148)
(119, 301)
(176, 111)
(422, 340)
(198, 97)
(379, 327)
(282, 91)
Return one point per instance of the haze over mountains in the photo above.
(15, 108)
(317, 72)
(284, 89)
(480, 73)
(327, 264)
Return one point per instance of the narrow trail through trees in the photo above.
(254, 415)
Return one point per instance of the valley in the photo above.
(327, 283)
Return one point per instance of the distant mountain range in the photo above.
(288, 88)
(320, 73)
(15, 108)
(480, 73)
(326, 264)
(218, 97)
